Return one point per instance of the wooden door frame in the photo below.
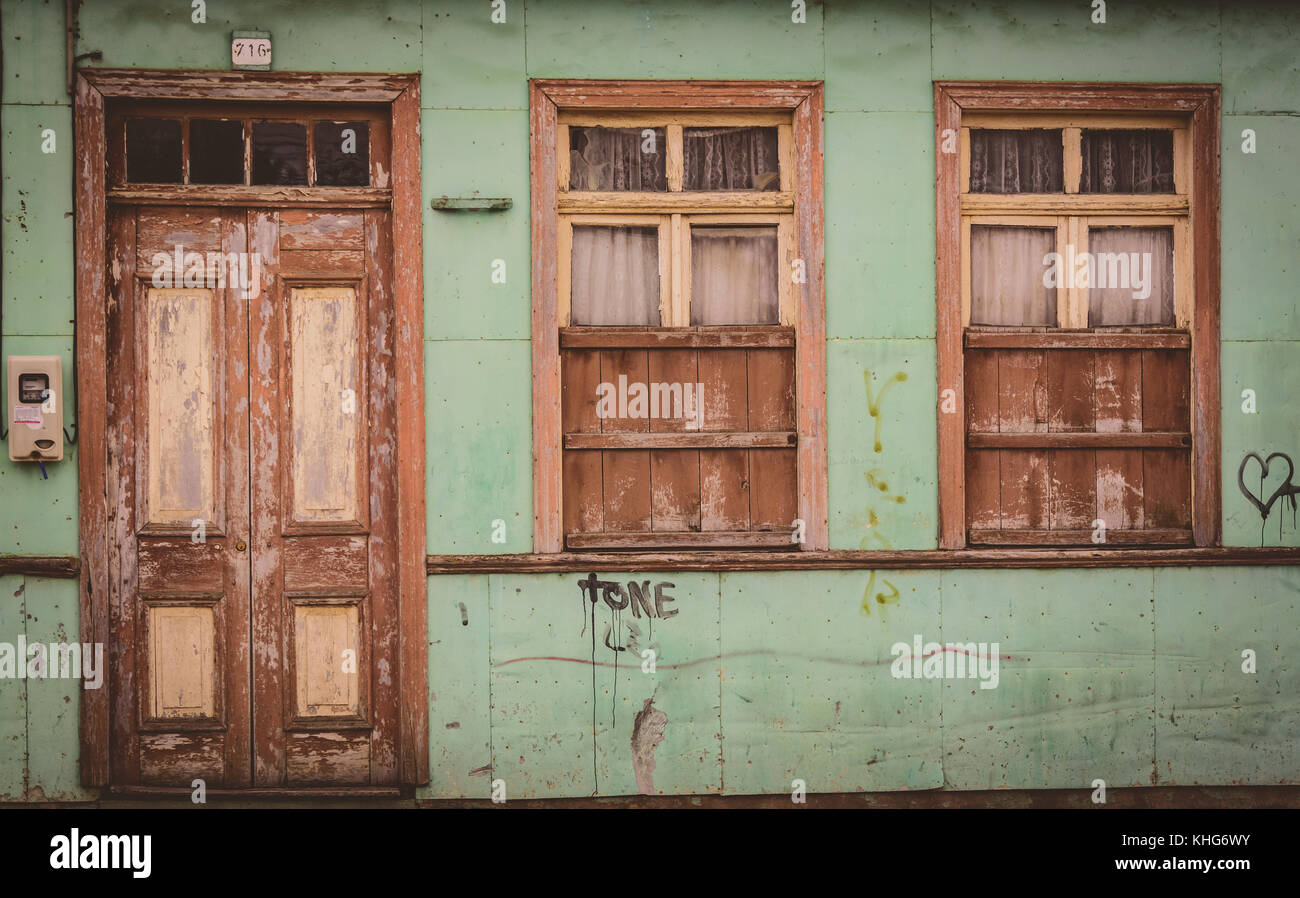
(402, 94)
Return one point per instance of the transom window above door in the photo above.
(223, 145)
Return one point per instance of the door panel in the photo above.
(252, 474)
(178, 457)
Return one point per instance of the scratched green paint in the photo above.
(1197, 722)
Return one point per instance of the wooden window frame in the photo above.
(796, 102)
(1198, 107)
(400, 93)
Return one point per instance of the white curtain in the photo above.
(1016, 161)
(615, 276)
(730, 159)
(1007, 271)
(1127, 162)
(1150, 272)
(617, 159)
(734, 276)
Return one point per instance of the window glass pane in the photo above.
(1028, 161)
(1131, 278)
(734, 276)
(1007, 283)
(216, 151)
(730, 159)
(1127, 162)
(615, 275)
(153, 151)
(617, 159)
(279, 153)
(342, 154)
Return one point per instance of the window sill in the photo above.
(741, 560)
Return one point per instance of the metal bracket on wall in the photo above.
(471, 203)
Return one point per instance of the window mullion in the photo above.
(673, 161)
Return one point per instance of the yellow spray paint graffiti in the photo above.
(881, 598)
(873, 402)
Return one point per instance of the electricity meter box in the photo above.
(35, 408)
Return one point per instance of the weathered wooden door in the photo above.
(252, 492)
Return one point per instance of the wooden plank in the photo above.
(948, 321)
(666, 539)
(1206, 470)
(1120, 440)
(584, 492)
(675, 490)
(1167, 488)
(672, 372)
(197, 230)
(678, 337)
(157, 84)
(92, 425)
(1166, 537)
(1054, 339)
(204, 195)
(731, 439)
(1072, 502)
(328, 264)
(626, 478)
(1118, 387)
(581, 378)
(632, 365)
(590, 94)
(1119, 489)
(1166, 390)
(591, 202)
(983, 490)
(772, 489)
(1025, 490)
(408, 303)
(1073, 203)
(548, 525)
(58, 567)
(724, 489)
(1070, 400)
(725, 377)
(1022, 392)
(320, 229)
(771, 390)
(982, 391)
(1110, 556)
(810, 305)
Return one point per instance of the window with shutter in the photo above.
(682, 304)
(1070, 264)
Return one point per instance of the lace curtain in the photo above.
(730, 159)
(1016, 161)
(734, 276)
(1128, 162)
(616, 159)
(615, 276)
(1007, 276)
(1115, 304)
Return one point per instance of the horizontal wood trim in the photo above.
(300, 87)
(186, 793)
(1077, 440)
(241, 195)
(651, 118)
(675, 338)
(686, 202)
(835, 560)
(1064, 95)
(1073, 204)
(1079, 537)
(56, 566)
(770, 439)
(668, 539)
(1077, 340)
(592, 94)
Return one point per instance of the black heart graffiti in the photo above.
(1287, 489)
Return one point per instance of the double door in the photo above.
(252, 475)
